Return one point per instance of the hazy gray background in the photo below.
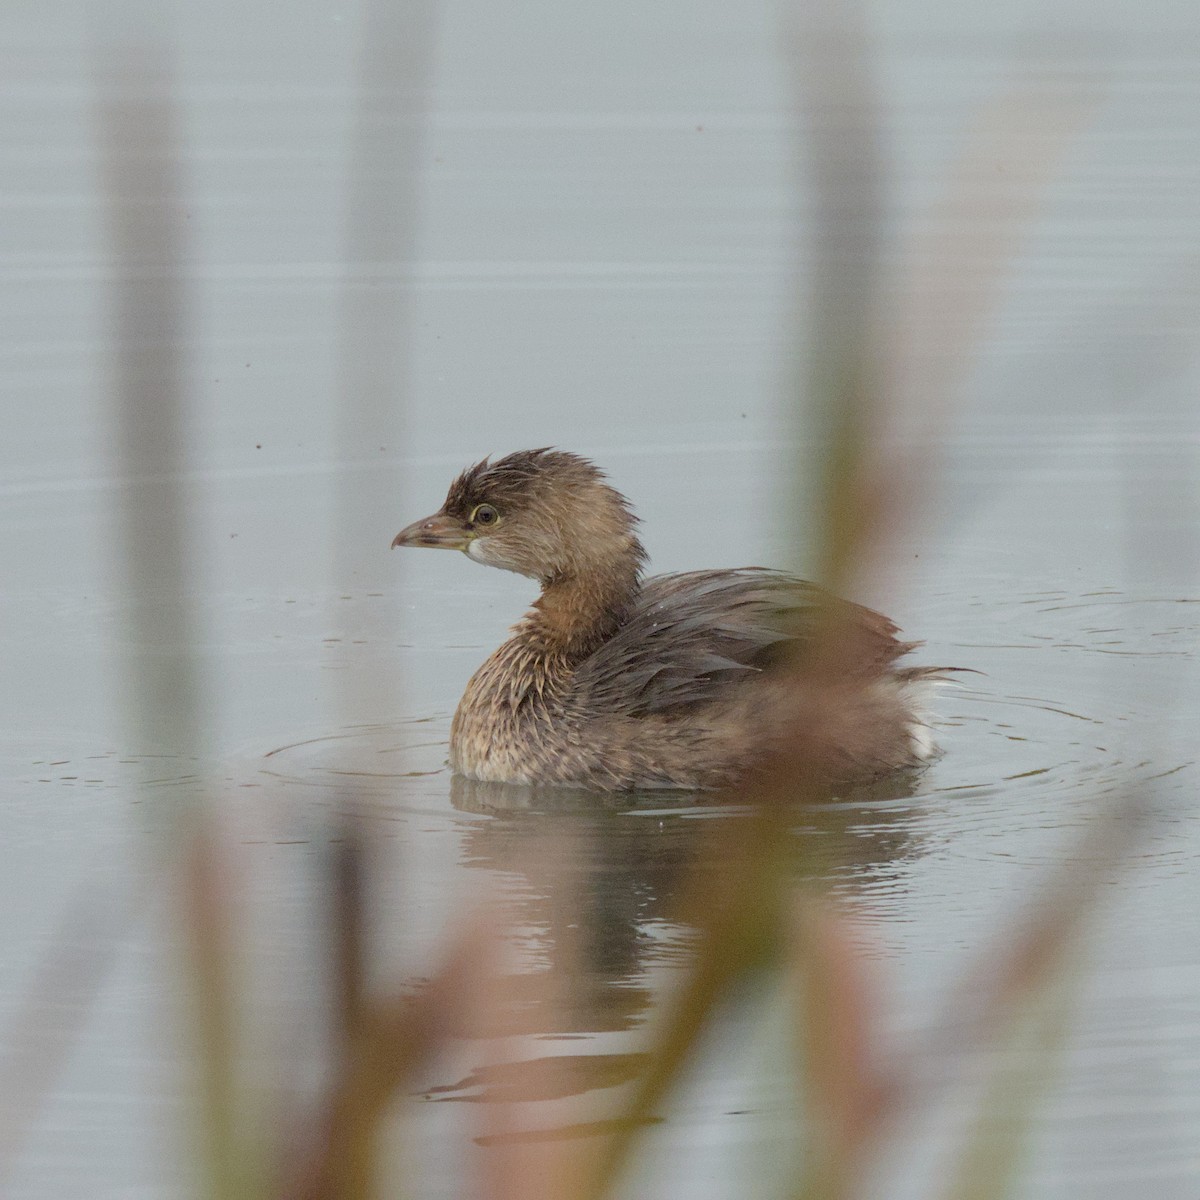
(610, 252)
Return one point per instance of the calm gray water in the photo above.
(606, 259)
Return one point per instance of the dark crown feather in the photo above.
(519, 477)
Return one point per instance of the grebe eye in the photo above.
(484, 514)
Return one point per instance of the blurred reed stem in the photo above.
(140, 146)
(742, 898)
(1025, 1061)
(739, 922)
(394, 57)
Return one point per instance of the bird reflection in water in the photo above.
(596, 885)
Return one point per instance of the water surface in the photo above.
(606, 261)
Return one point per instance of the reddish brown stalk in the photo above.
(848, 1095)
(394, 1038)
(207, 924)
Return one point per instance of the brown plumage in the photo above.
(612, 681)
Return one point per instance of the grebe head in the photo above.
(542, 513)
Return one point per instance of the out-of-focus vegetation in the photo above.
(760, 917)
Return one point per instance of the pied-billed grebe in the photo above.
(612, 681)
